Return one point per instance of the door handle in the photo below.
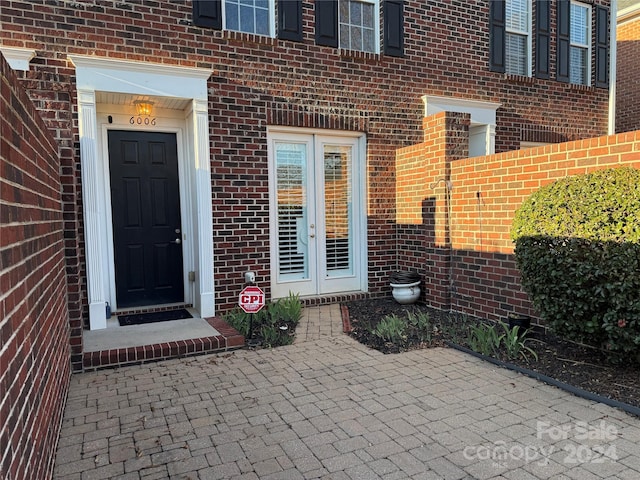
(312, 236)
(177, 241)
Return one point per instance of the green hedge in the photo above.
(577, 245)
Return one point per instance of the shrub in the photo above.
(577, 245)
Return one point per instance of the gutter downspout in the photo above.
(613, 62)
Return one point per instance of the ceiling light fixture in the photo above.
(143, 107)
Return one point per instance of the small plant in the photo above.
(455, 328)
(274, 325)
(484, 339)
(287, 310)
(238, 319)
(421, 322)
(391, 329)
(514, 344)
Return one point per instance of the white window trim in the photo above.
(527, 34)
(586, 46)
(376, 25)
(18, 58)
(272, 20)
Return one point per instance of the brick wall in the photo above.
(34, 328)
(261, 81)
(627, 84)
(460, 243)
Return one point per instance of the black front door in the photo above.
(145, 202)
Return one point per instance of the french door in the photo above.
(318, 243)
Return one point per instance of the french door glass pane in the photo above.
(291, 181)
(338, 209)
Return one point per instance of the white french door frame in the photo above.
(317, 280)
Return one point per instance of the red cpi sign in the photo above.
(251, 299)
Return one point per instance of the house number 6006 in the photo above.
(142, 121)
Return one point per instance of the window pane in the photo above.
(367, 15)
(356, 38)
(262, 22)
(368, 41)
(516, 54)
(517, 15)
(344, 37)
(231, 17)
(355, 12)
(578, 65)
(338, 209)
(344, 11)
(247, 23)
(291, 200)
(579, 24)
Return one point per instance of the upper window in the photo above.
(248, 16)
(358, 20)
(580, 50)
(579, 28)
(355, 25)
(518, 37)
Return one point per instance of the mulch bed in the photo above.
(567, 362)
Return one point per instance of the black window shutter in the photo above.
(327, 23)
(394, 28)
(290, 20)
(497, 13)
(563, 40)
(543, 13)
(602, 47)
(207, 13)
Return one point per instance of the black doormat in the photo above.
(153, 317)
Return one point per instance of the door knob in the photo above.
(312, 236)
(177, 241)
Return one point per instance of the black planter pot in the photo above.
(404, 277)
(522, 321)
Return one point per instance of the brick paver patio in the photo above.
(328, 407)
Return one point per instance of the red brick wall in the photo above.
(34, 328)
(464, 252)
(260, 81)
(627, 84)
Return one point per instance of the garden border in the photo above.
(551, 381)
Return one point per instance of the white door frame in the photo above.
(359, 189)
(120, 121)
(94, 74)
